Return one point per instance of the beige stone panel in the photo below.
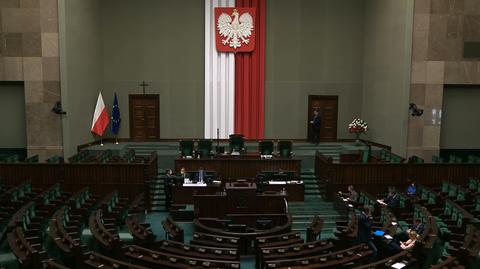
(21, 20)
(472, 7)
(461, 72)
(415, 136)
(43, 126)
(29, 3)
(415, 122)
(427, 154)
(439, 6)
(51, 68)
(9, 3)
(13, 69)
(434, 95)
(432, 116)
(33, 91)
(435, 72)
(419, 72)
(49, 16)
(11, 45)
(420, 37)
(441, 46)
(422, 6)
(33, 68)
(2, 69)
(51, 92)
(32, 45)
(50, 44)
(431, 136)
(471, 27)
(455, 27)
(417, 94)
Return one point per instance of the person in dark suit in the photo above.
(364, 234)
(168, 182)
(393, 199)
(316, 124)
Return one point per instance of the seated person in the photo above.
(392, 200)
(404, 245)
(417, 227)
(351, 195)
(412, 189)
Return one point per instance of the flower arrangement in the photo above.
(358, 126)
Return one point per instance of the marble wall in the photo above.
(440, 28)
(29, 52)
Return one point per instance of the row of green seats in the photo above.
(52, 194)
(80, 156)
(454, 191)
(112, 203)
(416, 159)
(453, 159)
(105, 156)
(367, 201)
(474, 184)
(10, 158)
(129, 155)
(80, 199)
(388, 156)
(437, 159)
(54, 159)
(427, 195)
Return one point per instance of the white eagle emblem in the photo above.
(240, 29)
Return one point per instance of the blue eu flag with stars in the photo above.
(115, 116)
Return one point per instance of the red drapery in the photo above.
(250, 79)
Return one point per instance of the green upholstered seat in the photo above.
(186, 147)
(437, 159)
(265, 147)
(237, 143)
(204, 147)
(284, 148)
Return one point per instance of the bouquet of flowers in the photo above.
(358, 126)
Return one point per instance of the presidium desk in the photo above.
(244, 166)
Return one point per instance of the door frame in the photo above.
(310, 98)
(130, 114)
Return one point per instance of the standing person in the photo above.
(316, 124)
(364, 234)
(168, 182)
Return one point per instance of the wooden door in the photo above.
(144, 117)
(328, 108)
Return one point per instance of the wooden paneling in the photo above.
(238, 167)
(128, 178)
(144, 117)
(375, 177)
(328, 109)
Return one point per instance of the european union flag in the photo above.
(115, 116)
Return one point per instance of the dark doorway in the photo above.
(327, 105)
(144, 117)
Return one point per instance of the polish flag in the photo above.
(100, 117)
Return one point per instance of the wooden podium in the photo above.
(241, 197)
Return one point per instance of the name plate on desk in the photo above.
(194, 184)
(284, 182)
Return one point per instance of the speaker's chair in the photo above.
(186, 148)
(265, 147)
(285, 148)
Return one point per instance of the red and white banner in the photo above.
(235, 29)
(235, 82)
(100, 117)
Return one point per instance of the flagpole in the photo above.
(101, 141)
(116, 139)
